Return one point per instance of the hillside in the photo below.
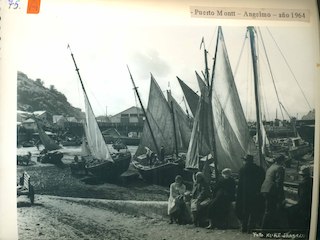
(33, 96)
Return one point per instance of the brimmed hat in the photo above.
(226, 172)
(304, 170)
(248, 157)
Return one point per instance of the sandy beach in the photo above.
(67, 208)
(75, 218)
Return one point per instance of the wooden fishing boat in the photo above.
(298, 148)
(220, 134)
(97, 158)
(50, 153)
(166, 135)
(71, 141)
(162, 174)
(111, 136)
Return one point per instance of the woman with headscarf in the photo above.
(201, 198)
(224, 192)
(175, 202)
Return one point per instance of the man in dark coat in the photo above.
(273, 192)
(249, 203)
(299, 214)
(162, 153)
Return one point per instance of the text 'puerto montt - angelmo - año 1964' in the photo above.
(251, 13)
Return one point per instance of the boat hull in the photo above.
(299, 152)
(163, 174)
(110, 171)
(70, 143)
(131, 141)
(53, 157)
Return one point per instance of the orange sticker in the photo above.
(33, 6)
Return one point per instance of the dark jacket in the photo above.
(305, 195)
(225, 189)
(251, 178)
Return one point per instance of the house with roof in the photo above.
(130, 115)
(29, 124)
(22, 116)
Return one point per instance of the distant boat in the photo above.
(165, 138)
(99, 160)
(111, 136)
(50, 153)
(71, 141)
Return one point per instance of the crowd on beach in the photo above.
(257, 199)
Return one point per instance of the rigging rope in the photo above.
(96, 100)
(264, 103)
(243, 45)
(290, 69)
(269, 66)
(261, 92)
(211, 42)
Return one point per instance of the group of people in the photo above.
(152, 158)
(257, 200)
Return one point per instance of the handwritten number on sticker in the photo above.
(13, 4)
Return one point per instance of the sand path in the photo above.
(74, 218)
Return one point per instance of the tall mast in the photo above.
(174, 125)
(145, 114)
(205, 61)
(77, 69)
(256, 88)
(213, 144)
(210, 86)
(84, 90)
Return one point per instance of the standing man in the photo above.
(249, 201)
(299, 214)
(272, 190)
(148, 155)
(162, 152)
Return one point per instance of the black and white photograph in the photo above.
(159, 120)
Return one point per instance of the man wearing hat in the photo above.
(300, 213)
(249, 201)
(272, 190)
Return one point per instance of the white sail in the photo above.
(231, 133)
(201, 143)
(182, 124)
(231, 128)
(161, 122)
(96, 143)
(192, 156)
(47, 142)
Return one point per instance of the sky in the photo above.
(150, 36)
(107, 36)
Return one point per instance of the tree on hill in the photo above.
(39, 82)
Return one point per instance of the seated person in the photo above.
(176, 205)
(223, 195)
(200, 199)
